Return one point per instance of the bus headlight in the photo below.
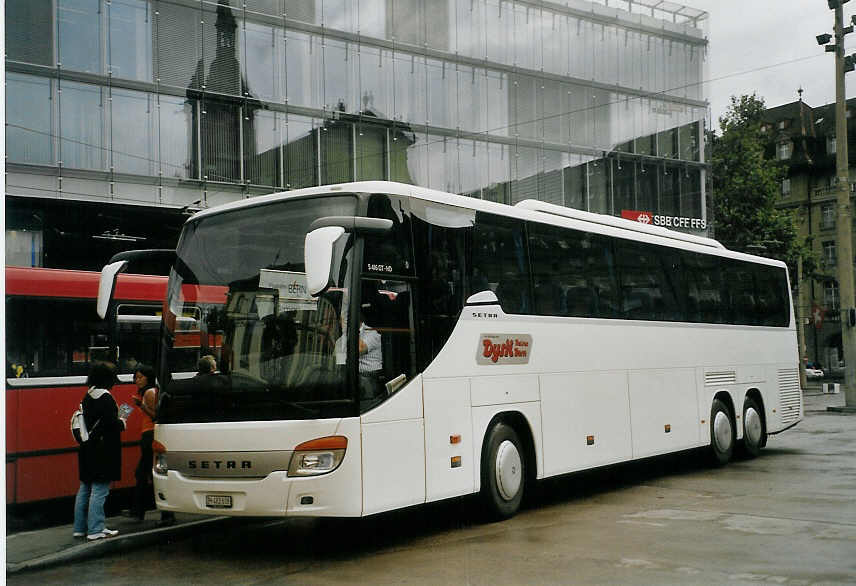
(318, 456)
(160, 464)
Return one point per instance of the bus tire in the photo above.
(722, 433)
(503, 472)
(754, 429)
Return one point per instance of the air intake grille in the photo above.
(724, 377)
(790, 395)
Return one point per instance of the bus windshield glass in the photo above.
(278, 352)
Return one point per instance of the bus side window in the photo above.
(500, 253)
(48, 337)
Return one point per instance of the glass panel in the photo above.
(302, 68)
(410, 95)
(262, 140)
(575, 186)
(338, 15)
(704, 288)
(130, 39)
(471, 100)
(646, 186)
(82, 144)
(670, 191)
(473, 166)
(388, 253)
(221, 38)
(338, 82)
(79, 26)
(336, 161)
(29, 31)
(599, 187)
(178, 121)
(497, 103)
(371, 152)
(624, 181)
(28, 119)
(305, 10)
(300, 155)
(221, 141)
(179, 46)
(134, 127)
(499, 173)
(441, 93)
(258, 50)
(442, 164)
(375, 82)
(407, 21)
(407, 156)
(372, 18)
(470, 40)
(648, 291)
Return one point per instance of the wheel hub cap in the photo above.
(509, 470)
(753, 427)
(722, 431)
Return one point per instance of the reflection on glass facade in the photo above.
(593, 105)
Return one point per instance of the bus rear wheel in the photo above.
(503, 472)
(722, 434)
(754, 430)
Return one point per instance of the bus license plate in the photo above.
(218, 501)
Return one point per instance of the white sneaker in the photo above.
(102, 534)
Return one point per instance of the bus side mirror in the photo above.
(318, 258)
(107, 284)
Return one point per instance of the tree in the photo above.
(746, 185)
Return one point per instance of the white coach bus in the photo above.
(381, 345)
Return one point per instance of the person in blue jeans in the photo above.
(100, 457)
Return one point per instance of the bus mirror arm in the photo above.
(353, 224)
(107, 284)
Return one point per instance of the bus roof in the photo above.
(527, 209)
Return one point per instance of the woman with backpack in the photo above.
(100, 456)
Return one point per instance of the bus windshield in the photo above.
(280, 353)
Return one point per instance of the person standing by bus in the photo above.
(146, 399)
(100, 457)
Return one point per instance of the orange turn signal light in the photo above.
(454, 439)
(331, 442)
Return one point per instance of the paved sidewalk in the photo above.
(42, 548)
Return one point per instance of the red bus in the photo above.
(52, 335)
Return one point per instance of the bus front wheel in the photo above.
(754, 431)
(722, 434)
(503, 472)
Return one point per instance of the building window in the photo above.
(830, 145)
(783, 124)
(830, 295)
(786, 186)
(827, 216)
(830, 257)
(785, 150)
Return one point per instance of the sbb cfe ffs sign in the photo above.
(504, 349)
(664, 221)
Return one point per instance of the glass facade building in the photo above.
(176, 104)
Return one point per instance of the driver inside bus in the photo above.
(370, 359)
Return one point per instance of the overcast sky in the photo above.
(746, 35)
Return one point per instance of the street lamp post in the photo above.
(845, 218)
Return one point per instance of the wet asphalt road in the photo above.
(787, 517)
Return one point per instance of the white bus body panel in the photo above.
(393, 452)
(276, 494)
(577, 405)
(447, 416)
